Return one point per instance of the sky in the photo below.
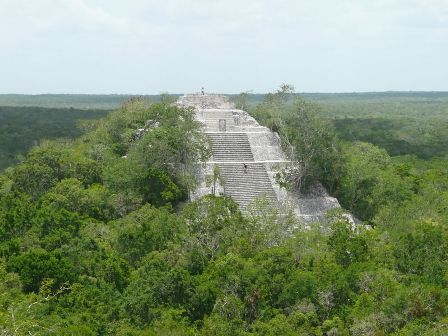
(226, 46)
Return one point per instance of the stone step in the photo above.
(251, 176)
(231, 177)
(250, 194)
(230, 147)
(229, 159)
(245, 185)
(260, 183)
(235, 154)
(237, 144)
(234, 147)
(229, 150)
(218, 141)
(229, 138)
(239, 185)
(244, 188)
(216, 120)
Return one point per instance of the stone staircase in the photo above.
(230, 147)
(231, 151)
(245, 185)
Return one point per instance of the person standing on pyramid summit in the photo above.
(202, 91)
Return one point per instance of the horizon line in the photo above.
(224, 93)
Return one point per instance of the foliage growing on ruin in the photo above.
(307, 139)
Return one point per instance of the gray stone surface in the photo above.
(266, 146)
(206, 101)
(246, 142)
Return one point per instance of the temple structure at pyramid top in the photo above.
(206, 101)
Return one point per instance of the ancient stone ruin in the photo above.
(248, 156)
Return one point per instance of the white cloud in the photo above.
(94, 15)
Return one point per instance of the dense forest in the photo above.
(402, 123)
(23, 127)
(96, 236)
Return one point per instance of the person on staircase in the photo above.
(245, 167)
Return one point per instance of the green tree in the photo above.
(70, 194)
(36, 265)
(424, 252)
(348, 245)
(307, 138)
(160, 282)
(213, 224)
(242, 100)
(146, 229)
